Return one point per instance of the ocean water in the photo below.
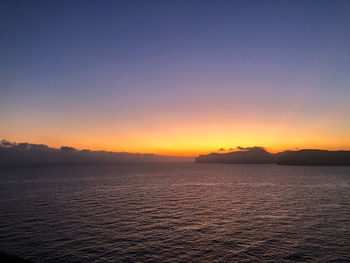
(175, 213)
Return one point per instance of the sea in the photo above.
(175, 212)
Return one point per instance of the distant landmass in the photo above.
(314, 157)
(12, 153)
(259, 155)
(252, 155)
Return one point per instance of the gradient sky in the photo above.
(176, 77)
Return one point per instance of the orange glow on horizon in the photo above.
(196, 132)
(192, 142)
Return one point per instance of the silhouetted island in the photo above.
(251, 155)
(314, 157)
(259, 155)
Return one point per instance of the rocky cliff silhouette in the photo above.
(314, 157)
(253, 155)
(259, 155)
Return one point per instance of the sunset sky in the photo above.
(176, 77)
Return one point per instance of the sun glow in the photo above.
(192, 137)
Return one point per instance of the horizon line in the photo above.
(191, 155)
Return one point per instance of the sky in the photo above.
(176, 77)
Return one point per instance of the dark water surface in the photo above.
(176, 213)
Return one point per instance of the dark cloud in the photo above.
(249, 148)
(67, 149)
(221, 149)
(5, 143)
(28, 153)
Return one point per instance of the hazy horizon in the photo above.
(6, 144)
(192, 153)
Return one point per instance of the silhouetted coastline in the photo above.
(13, 154)
(314, 157)
(253, 155)
(258, 155)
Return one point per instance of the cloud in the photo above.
(248, 148)
(28, 153)
(5, 143)
(67, 149)
(221, 149)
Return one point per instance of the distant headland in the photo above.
(259, 155)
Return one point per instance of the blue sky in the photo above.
(69, 67)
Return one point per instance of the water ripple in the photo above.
(176, 213)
